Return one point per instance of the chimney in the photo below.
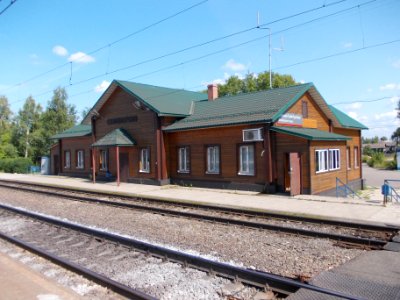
(212, 92)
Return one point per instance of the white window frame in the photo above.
(246, 160)
(356, 162)
(103, 160)
(334, 159)
(321, 161)
(144, 166)
(213, 159)
(80, 159)
(67, 159)
(184, 159)
(348, 158)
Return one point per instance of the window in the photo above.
(348, 158)
(144, 160)
(80, 159)
(304, 109)
(321, 161)
(184, 159)
(246, 160)
(213, 160)
(356, 162)
(67, 159)
(334, 159)
(103, 160)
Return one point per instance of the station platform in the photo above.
(19, 282)
(370, 209)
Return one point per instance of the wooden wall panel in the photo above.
(352, 173)
(143, 131)
(327, 180)
(72, 145)
(314, 112)
(228, 138)
(285, 144)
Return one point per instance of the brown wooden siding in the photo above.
(314, 112)
(327, 180)
(73, 145)
(143, 131)
(285, 144)
(353, 173)
(228, 138)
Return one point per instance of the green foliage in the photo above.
(367, 151)
(252, 83)
(396, 135)
(8, 151)
(5, 114)
(377, 160)
(58, 116)
(15, 165)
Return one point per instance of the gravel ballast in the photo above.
(268, 251)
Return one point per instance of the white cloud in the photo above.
(81, 57)
(396, 64)
(302, 81)
(370, 90)
(102, 86)
(390, 86)
(347, 45)
(389, 114)
(234, 66)
(60, 50)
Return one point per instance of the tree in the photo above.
(252, 82)
(58, 116)
(5, 114)
(396, 136)
(25, 133)
(383, 139)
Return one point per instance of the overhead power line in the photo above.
(178, 51)
(8, 6)
(365, 101)
(109, 44)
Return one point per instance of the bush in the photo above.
(15, 165)
(377, 160)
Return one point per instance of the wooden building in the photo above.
(280, 140)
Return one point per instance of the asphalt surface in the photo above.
(375, 178)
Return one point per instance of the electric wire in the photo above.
(8, 6)
(182, 50)
(107, 45)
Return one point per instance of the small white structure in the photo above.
(45, 165)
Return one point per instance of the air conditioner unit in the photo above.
(252, 135)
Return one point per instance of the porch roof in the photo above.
(311, 134)
(117, 137)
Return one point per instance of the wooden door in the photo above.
(123, 166)
(295, 174)
(56, 165)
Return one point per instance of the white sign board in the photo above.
(291, 119)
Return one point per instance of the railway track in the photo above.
(65, 242)
(363, 235)
(360, 235)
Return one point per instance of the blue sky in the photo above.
(43, 41)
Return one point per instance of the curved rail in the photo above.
(279, 284)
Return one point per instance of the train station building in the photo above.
(281, 140)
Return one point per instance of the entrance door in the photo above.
(56, 165)
(295, 179)
(123, 166)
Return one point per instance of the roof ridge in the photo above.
(154, 86)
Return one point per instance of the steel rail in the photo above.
(113, 285)
(367, 242)
(282, 285)
(216, 208)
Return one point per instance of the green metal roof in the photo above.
(163, 101)
(76, 131)
(345, 120)
(257, 107)
(311, 134)
(117, 137)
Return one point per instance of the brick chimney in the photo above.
(212, 91)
